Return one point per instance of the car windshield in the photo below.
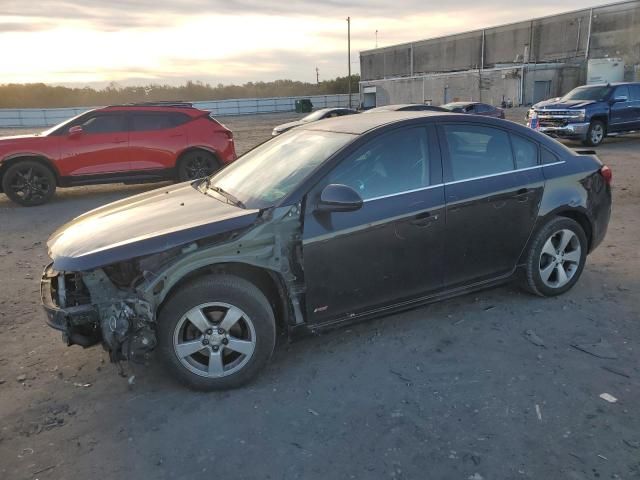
(55, 127)
(312, 117)
(269, 172)
(453, 106)
(588, 93)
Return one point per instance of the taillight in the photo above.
(607, 174)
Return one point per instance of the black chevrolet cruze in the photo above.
(333, 222)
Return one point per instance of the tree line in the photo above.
(40, 95)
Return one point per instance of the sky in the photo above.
(92, 42)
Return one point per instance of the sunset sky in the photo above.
(160, 41)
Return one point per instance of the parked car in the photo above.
(407, 107)
(333, 222)
(589, 113)
(475, 108)
(117, 144)
(320, 114)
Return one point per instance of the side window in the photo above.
(482, 108)
(155, 121)
(475, 151)
(548, 157)
(387, 165)
(104, 124)
(525, 152)
(634, 90)
(622, 91)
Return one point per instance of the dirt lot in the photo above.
(455, 390)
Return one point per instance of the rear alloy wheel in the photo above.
(556, 257)
(29, 183)
(217, 332)
(196, 164)
(595, 134)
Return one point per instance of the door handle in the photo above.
(424, 219)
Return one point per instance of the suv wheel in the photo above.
(217, 332)
(596, 133)
(29, 183)
(556, 257)
(196, 164)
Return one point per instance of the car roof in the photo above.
(181, 108)
(359, 124)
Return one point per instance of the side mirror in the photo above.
(75, 131)
(621, 98)
(339, 198)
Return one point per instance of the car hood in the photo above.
(141, 225)
(568, 104)
(288, 126)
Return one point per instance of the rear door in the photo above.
(634, 92)
(493, 186)
(101, 148)
(156, 138)
(392, 248)
(621, 114)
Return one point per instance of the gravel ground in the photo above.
(455, 390)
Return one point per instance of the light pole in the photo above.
(349, 56)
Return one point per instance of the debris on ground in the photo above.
(313, 412)
(476, 476)
(601, 349)
(632, 443)
(616, 371)
(608, 397)
(21, 378)
(533, 338)
(81, 385)
(538, 412)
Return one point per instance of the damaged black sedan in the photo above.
(332, 222)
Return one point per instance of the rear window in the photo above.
(475, 151)
(548, 157)
(525, 152)
(156, 121)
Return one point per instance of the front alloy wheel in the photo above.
(595, 134)
(214, 339)
(29, 183)
(216, 332)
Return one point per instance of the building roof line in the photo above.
(480, 30)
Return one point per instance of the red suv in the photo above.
(118, 144)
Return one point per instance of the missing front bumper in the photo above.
(79, 324)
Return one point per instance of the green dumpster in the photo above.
(303, 105)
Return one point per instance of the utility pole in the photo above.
(349, 55)
(317, 76)
(376, 38)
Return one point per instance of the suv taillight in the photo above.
(607, 174)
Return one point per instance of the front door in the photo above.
(391, 249)
(101, 148)
(493, 186)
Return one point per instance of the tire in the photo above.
(596, 133)
(543, 275)
(29, 183)
(191, 344)
(196, 164)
